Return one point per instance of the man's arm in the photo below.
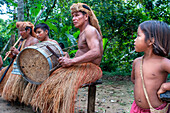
(93, 42)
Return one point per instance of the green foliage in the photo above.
(12, 2)
(118, 20)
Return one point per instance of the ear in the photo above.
(86, 16)
(152, 41)
(46, 32)
(28, 30)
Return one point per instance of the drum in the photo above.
(38, 61)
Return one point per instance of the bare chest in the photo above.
(82, 43)
(150, 70)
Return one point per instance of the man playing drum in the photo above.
(15, 84)
(57, 93)
(42, 34)
(90, 48)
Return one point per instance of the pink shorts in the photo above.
(136, 109)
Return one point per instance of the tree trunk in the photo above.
(20, 10)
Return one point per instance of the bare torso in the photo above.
(84, 48)
(154, 76)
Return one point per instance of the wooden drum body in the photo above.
(38, 61)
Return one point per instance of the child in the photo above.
(153, 38)
(42, 32)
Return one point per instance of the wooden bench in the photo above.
(91, 95)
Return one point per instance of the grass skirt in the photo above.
(28, 93)
(3, 82)
(57, 93)
(14, 88)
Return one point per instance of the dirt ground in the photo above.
(114, 95)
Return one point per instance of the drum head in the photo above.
(33, 66)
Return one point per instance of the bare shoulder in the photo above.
(137, 60)
(165, 64)
(53, 41)
(92, 33)
(90, 30)
(33, 40)
(165, 61)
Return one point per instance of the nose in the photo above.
(37, 34)
(20, 32)
(135, 40)
(73, 18)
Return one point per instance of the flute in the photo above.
(12, 46)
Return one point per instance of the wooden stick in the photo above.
(13, 46)
(5, 46)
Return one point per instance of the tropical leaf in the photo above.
(105, 40)
(72, 52)
(12, 2)
(71, 38)
(35, 10)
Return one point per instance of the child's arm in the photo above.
(165, 86)
(166, 65)
(133, 72)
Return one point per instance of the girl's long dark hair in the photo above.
(160, 31)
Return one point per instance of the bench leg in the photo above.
(91, 99)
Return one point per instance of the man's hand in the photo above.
(65, 62)
(10, 54)
(14, 50)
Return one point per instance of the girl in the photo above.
(153, 38)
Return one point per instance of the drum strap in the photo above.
(22, 46)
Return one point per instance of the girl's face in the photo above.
(78, 19)
(140, 44)
(41, 34)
